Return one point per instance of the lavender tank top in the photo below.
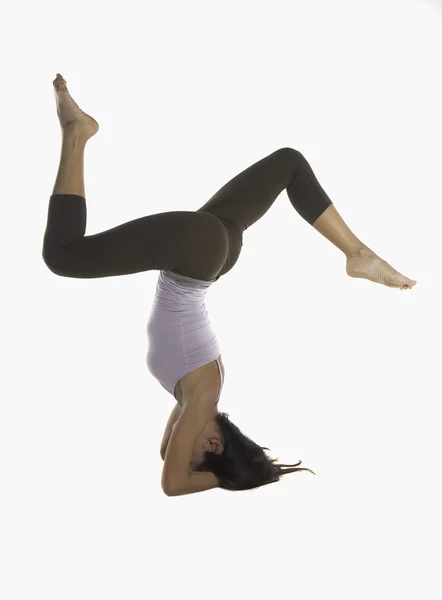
(180, 336)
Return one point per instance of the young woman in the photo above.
(201, 447)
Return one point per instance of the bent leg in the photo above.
(195, 244)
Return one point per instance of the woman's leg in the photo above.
(195, 244)
(248, 196)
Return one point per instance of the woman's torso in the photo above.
(181, 337)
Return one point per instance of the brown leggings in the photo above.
(203, 244)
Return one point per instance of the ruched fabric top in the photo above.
(180, 336)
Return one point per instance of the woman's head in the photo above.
(235, 459)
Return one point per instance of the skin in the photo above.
(177, 477)
(77, 128)
(209, 440)
(203, 382)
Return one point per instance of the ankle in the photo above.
(74, 136)
(357, 251)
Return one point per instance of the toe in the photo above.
(59, 80)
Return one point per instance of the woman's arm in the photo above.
(174, 415)
(177, 479)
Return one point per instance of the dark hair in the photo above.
(243, 465)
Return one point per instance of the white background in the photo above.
(341, 373)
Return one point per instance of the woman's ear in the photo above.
(213, 445)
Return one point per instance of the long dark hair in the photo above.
(243, 465)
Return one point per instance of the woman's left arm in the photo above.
(177, 479)
(174, 416)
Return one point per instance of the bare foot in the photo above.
(70, 114)
(368, 265)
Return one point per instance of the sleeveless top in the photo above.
(180, 336)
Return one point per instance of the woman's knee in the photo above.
(53, 261)
(289, 153)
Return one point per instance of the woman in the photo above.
(201, 447)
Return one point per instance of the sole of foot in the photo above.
(367, 265)
(72, 118)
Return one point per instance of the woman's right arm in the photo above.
(174, 415)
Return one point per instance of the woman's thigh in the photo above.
(193, 243)
(249, 195)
